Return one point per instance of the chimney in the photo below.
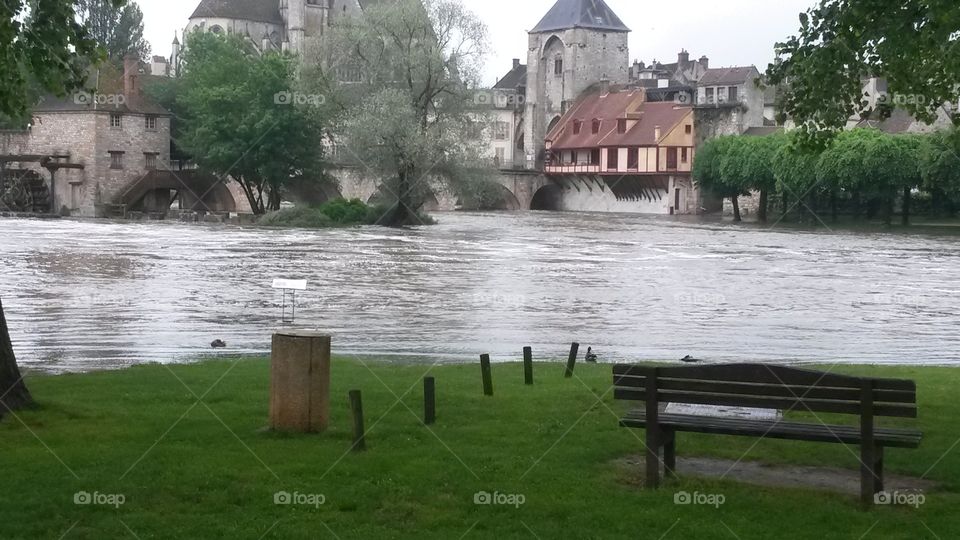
(131, 76)
(683, 58)
(705, 62)
(656, 133)
(516, 63)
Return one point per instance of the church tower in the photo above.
(577, 44)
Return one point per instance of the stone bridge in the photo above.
(155, 191)
(521, 190)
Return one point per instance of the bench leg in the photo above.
(670, 454)
(871, 472)
(653, 442)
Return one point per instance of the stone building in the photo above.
(576, 44)
(90, 146)
(508, 102)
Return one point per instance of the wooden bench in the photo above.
(771, 387)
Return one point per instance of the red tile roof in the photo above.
(609, 109)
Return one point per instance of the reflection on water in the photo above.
(91, 295)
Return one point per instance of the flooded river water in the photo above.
(82, 295)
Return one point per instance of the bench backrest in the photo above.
(767, 386)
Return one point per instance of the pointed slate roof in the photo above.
(267, 11)
(594, 14)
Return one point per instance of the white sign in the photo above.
(290, 284)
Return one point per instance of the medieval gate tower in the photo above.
(577, 44)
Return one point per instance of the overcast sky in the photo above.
(729, 32)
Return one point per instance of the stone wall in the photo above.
(749, 205)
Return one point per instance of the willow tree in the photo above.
(712, 172)
(796, 170)
(13, 392)
(405, 75)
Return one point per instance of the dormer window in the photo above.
(577, 126)
(622, 126)
(596, 126)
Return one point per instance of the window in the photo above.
(622, 125)
(499, 160)
(613, 158)
(558, 66)
(683, 155)
(577, 126)
(216, 29)
(501, 131)
(150, 123)
(671, 159)
(116, 160)
(633, 159)
(688, 129)
(710, 94)
(595, 156)
(150, 159)
(596, 126)
(116, 120)
(732, 94)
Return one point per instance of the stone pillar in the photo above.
(300, 382)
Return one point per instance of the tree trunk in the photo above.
(833, 205)
(13, 392)
(907, 194)
(736, 208)
(762, 211)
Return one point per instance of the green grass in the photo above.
(210, 470)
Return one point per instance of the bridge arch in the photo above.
(154, 192)
(548, 197)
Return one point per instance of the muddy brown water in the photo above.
(83, 295)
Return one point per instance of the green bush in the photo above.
(335, 213)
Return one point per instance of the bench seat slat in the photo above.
(774, 429)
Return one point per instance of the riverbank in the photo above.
(206, 468)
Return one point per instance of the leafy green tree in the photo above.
(42, 45)
(406, 115)
(913, 44)
(796, 170)
(940, 166)
(117, 28)
(713, 172)
(243, 118)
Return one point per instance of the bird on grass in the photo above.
(218, 344)
(590, 356)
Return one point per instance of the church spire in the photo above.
(592, 14)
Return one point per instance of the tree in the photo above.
(13, 392)
(713, 171)
(913, 44)
(117, 28)
(940, 165)
(242, 118)
(407, 115)
(42, 44)
(796, 170)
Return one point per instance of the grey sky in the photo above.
(732, 32)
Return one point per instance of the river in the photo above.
(86, 295)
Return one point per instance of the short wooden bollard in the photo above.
(487, 375)
(356, 407)
(300, 382)
(527, 365)
(572, 360)
(429, 400)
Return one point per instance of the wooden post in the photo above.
(300, 382)
(868, 458)
(572, 360)
(356, 407)
(527, 365)
(487, 375)
(429, 401)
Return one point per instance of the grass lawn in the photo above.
(207, 469)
